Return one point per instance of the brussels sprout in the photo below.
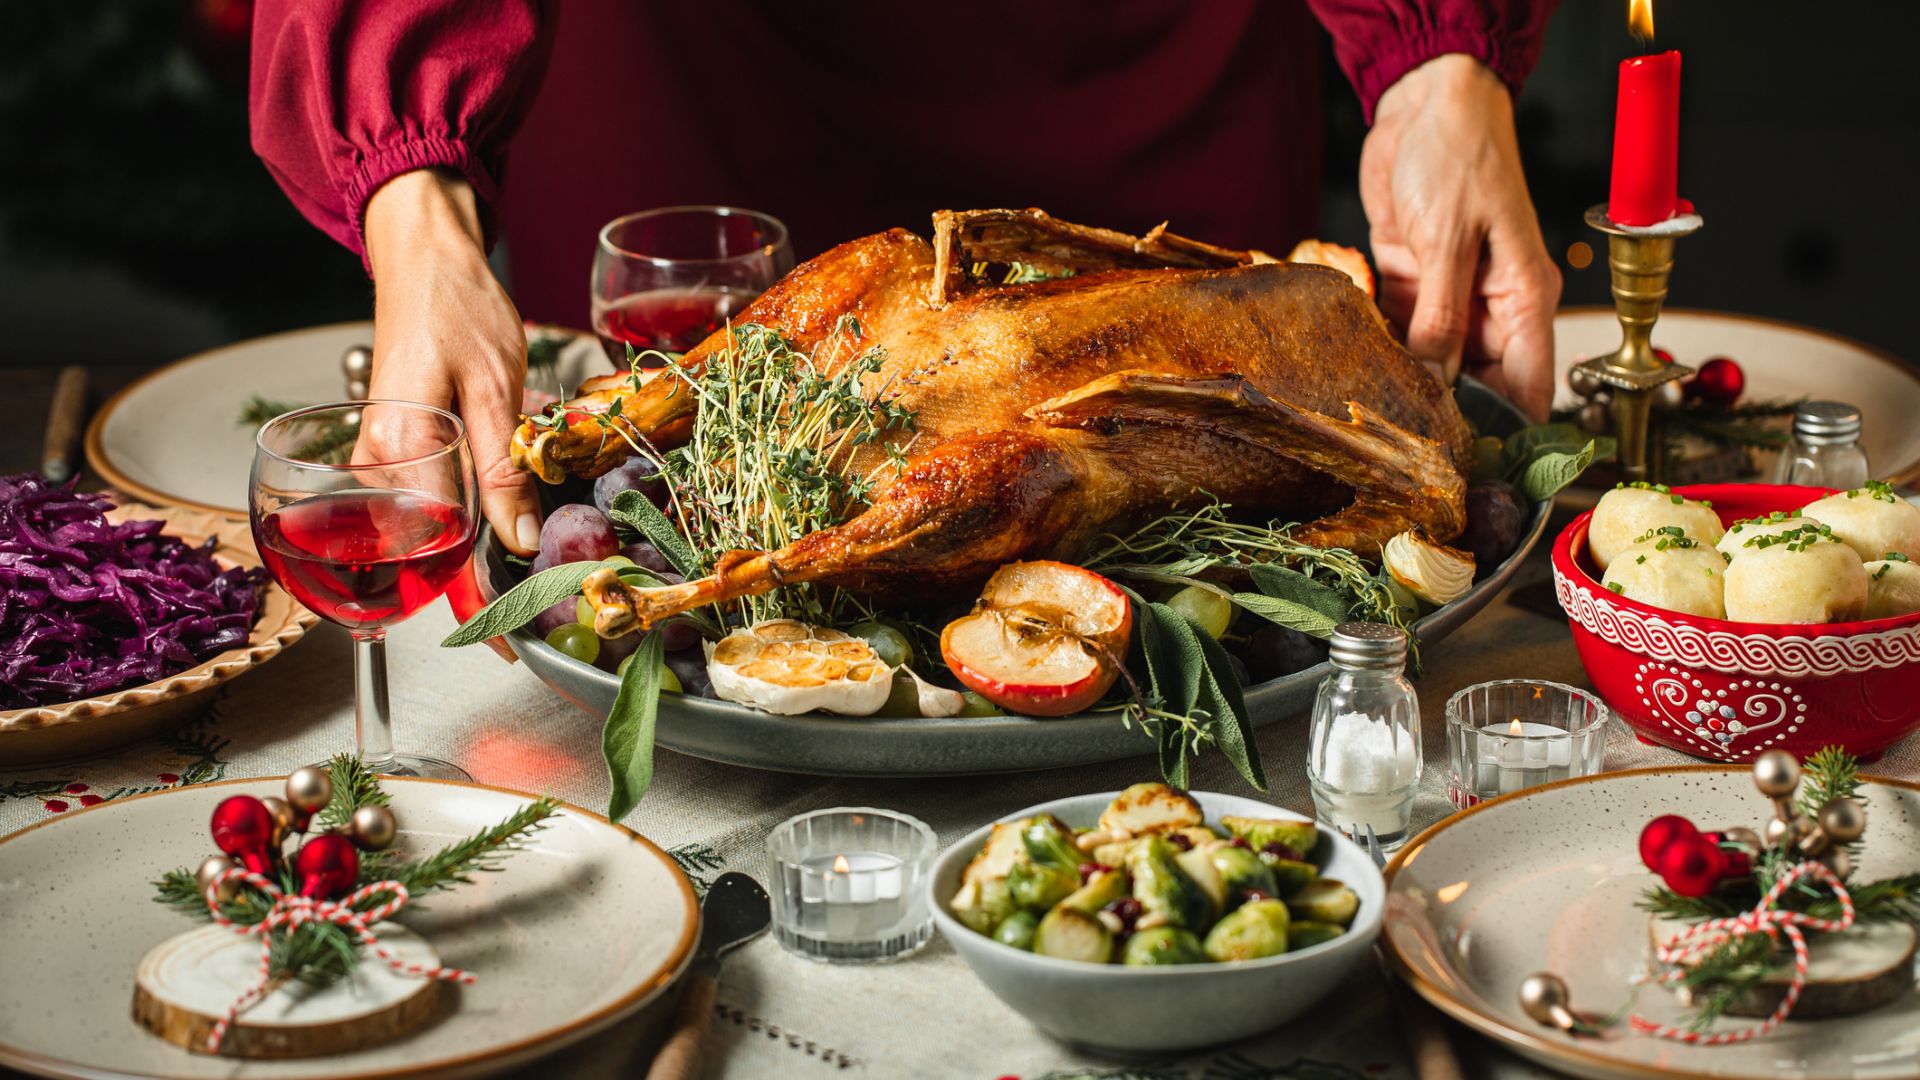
(1167, 894)
(1301, 836)
(1114, 853)
(1017, 930)
(1305, 934)
(1068, 934)
(980, 905)
(1197, 835)
(1200, 868)
(1288, 874)
(1003, 849)
(1324, 900)
(1242, 872)
(1039, 887)
(1162, 945)
(1101, 889)
(1050, 845)
(1249, 932)
(1145, 808)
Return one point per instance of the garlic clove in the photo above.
(936, 700)
(1435, 573)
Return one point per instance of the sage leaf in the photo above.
(1174, 660)
(1520, 449)
(627, 739)
(1287, 613)
(637, 512)
(517, 606)
(1221, 695)
(1547, 474)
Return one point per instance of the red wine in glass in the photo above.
(669, 320)
(367, 557)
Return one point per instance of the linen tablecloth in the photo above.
(779, 1015)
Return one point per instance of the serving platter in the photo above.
(174, 438)
(1782, 361)
(1545, 879)
(824, 745)
(585, 927)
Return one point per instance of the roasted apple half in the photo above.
(1044, 639)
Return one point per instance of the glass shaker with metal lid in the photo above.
(1363, 745)
(1825, 451)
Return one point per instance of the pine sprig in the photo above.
(1664, 903)
(1718, 980)
(480, 853)
(1830, 774)
(354, 786)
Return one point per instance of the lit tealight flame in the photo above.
(1640, 19)
(1516, 729)
(840, 861)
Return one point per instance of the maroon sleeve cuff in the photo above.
(1375, 73)
(405, 157)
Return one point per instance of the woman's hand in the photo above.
(1462, 265)
(445, 333)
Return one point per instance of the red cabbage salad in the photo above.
(87, 606)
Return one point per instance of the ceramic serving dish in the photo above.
(1545, 880)
(94, 725)
(586, 926)
(925, 746)
(1151, 1010)
(1728, 690)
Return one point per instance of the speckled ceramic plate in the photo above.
(1782, 361)
(1545, 880)
(173, 437)
(580, 930)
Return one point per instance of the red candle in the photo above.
(1646, 141)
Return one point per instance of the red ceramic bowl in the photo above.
(1725, 690)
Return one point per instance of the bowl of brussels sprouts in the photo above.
(1154, 919)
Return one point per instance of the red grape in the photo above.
(646, 556)
(690, 667)
(577, 533)
(614, 650)
(1495, 523)
(554, 618)
(678, 634)
(633, 474)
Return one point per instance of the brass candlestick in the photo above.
(1640, 259)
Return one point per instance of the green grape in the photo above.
(618, 560)
(978, 705)
(583, 612)
(889, 644)
(904, 700)
(1208, 608)
(669, 682)
(579, 642)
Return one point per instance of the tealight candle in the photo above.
(1513, 734)
(846, 887)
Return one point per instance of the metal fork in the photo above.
(1373, 844)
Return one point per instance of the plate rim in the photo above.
(512, 1053)
(1528, 1043)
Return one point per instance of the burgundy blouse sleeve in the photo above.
(1378, 41)
(346, 95)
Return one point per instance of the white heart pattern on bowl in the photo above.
(1723, 722)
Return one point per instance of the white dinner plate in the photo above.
(173, 437)
(584, 927)
(1782, 361)
(1545, 880)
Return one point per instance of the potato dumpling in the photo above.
(1672, 571)
(1893, 588)
(1740, 534)
(1872, 520)
(1805, 576)
(1630, 511)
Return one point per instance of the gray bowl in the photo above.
(1150, 1010)
(822, 745)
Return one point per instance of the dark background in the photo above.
(137, 227)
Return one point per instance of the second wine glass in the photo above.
(665, 279)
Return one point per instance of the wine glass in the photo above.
(665, 279)
(365, 511)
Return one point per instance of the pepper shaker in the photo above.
(1363, 744)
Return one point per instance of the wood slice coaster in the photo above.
(186, 984)
(1847, 973)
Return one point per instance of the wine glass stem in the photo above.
(372, 712)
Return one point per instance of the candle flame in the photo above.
(1640, 19)
(840, 863)
(1516, 729)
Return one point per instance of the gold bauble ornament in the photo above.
(213, 867)
(1840, 861)
(372, 828)
(1843, 820)
(1583, 381)
(1667, 396)
(1744, 837)
(283, 817)
(1776, 774)
(309, 789)
(1544, 996)
(1788, 833)
(1594, 417)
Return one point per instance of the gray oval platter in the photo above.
(823, 745)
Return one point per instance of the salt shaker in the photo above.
(1825, 451)
(1363, 746)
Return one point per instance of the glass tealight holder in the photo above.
(1513, 734)
(849, 884)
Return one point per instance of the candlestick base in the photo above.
(1640, 259)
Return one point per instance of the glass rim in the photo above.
(1597, 708)
(453, 445)
(778, 234)
(926, 842)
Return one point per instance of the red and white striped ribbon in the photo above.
(292, 912)
(1766, 918)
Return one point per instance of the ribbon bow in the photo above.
(1766, 918)
(292, 912)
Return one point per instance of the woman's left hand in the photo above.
(1463, 269)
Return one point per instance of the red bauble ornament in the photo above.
(1662, 355)
(1718, 382)
(243, 829)
(326, 867)
(1691, 867)
(1659, 833)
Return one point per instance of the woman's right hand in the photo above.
(445, 333)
